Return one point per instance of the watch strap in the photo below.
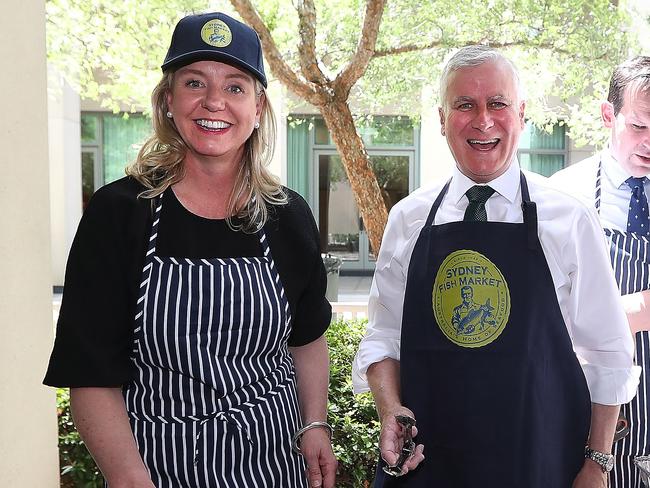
(604, 460)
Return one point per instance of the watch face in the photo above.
(609, 464)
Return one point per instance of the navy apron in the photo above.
(497, 391)
(630, 256)
(214, 400)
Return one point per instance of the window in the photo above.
(542, 152)
(315, 170)
(109, 142)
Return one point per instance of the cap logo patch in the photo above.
(216, 33)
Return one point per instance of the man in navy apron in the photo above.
(506, 392)
(615, 181)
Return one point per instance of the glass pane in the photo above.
(122, 141)
(321, 134)
(386, 131)
(88, 128)
(375, 131)
(87, 177)
(338, 216)
(544, 164)
(392, 174)
(534, 138)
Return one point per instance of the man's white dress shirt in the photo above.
(574, 246)
(580, 180)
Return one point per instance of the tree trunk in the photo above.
(356, 162)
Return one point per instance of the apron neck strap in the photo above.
(598, 177)
(436, 204)
(529, 210)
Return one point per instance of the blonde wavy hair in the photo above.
(159, 163)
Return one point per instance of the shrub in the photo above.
(353, 417)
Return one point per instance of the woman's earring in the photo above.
(169, 115)
(257, 125)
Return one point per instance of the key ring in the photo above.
(407, 448)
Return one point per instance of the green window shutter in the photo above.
(122, 140)
(298, 157)
(542, 152)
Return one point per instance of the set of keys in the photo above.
(408, 447)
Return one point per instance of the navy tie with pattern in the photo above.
(477, 196)
(638, 218)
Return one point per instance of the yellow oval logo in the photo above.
(216, 33)
(471, 300)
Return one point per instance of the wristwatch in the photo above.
(605, 461)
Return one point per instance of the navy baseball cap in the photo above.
(216, 37)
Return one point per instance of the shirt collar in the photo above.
(612, 170)
(506, 185)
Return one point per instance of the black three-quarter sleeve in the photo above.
(94, 330)
(295, 245)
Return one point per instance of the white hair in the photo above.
(471, 56)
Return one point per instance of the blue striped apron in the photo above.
(630, 256)
(214, 400)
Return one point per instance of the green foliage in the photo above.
(78, 469)
(355, 422)
(112, 51)
(565, 49)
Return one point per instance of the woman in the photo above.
(225, 364)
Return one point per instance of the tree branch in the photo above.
(365, 49)
(307, 48)
(409, 48)
(279, 67)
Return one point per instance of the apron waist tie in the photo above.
(229, 420)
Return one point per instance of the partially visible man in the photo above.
(615, 182)
(508, 405)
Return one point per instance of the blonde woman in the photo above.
(221, 379)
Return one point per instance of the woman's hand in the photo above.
(316, 448)
(312, 372)
(391, 440)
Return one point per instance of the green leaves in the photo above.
(353, 417)
(565, 49)
(78, 468)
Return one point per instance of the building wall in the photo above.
(436, 160)
(28, 428)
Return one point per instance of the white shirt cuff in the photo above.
(369, 353)
(611, 386)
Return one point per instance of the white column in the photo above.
(28, 431)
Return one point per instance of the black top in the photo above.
(95, 326)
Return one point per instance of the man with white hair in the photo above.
(512, 404)
(615, 182)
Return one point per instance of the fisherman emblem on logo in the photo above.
(471, 300)
(216, 33)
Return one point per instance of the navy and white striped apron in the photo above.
(630, 256)
(214, 400)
